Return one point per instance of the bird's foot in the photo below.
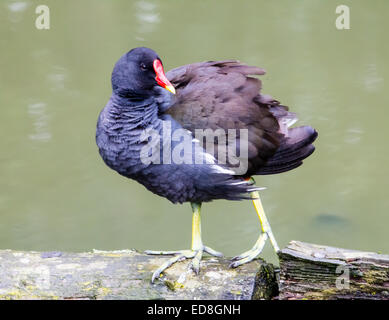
(251, 254)
(181, 255)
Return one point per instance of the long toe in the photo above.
(248, 258)
(251, 254)
(180, 255)
(168, 253)
(196, 261)
(166, 265)
(212, 252)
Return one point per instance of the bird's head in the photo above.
(138, 72)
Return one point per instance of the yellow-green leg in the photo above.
(196, 251)
(266, 233)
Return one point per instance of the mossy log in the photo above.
(126, 275)
(309, 271)
(306, 271)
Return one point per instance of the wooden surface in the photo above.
(307, 271)
(122, 275)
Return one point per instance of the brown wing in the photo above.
(222, 95)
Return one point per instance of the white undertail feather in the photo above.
(256, 189)
(285, 123)
(219, 169)
(291, 122)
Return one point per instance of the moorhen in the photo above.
(197, 134)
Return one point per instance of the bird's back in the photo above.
(223, 95)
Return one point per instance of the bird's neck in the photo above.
(133, 112)
(147, 104)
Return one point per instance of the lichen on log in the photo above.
(120, 275)
(307, 271)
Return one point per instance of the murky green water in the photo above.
(55, 191)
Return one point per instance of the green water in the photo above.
(57, 194)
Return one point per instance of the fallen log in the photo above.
(123, 275)
(309, 271)
(306, 271)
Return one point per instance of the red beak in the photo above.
(161, 77)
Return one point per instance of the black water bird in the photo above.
(241, 133)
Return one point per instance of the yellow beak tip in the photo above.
(171, 89)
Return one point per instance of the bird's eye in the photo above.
(143, 66)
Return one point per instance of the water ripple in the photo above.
(38, 113)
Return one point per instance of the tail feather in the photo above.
(296, 146)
